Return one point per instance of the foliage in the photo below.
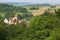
(58, 13)
(40, 27)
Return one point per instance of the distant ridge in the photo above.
(28, 4)
(40, 5)
(18, 3)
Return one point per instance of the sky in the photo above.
(33, 1)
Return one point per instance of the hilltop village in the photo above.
(15, 20)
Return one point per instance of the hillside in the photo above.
(10, 8)
(7, 11)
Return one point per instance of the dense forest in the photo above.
(43, 27)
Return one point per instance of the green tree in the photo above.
(58, 13)
(40, 27)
